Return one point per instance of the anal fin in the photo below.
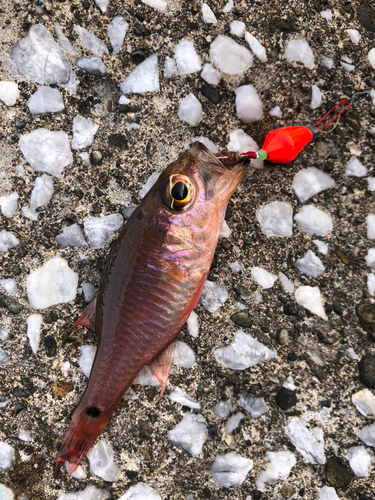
(161, 366)
(87, 317)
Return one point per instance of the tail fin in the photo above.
(81, 435)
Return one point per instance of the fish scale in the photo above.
(153, 278)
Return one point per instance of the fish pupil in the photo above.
(93, 412)
(179, 191)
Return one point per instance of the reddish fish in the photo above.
(153, 278)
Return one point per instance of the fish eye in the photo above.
(180, 193)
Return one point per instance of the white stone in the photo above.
(300, 50)
(354, 36)
(102, 4)
(53, 283)
(184, 355)
(130, 394)
(45, 100)
(230, 469)
(328, 493)
(187, 59)
(9, 93)
(42, 192)
(240, 142)
(221, 409)
(235, 266)
(63, 41)
(355, 168)
(276, 112)
(370, 258)
(99, 230)
(87, 358)
(7, 241)
(263, 277)
(89, 291)
(310, 298)
(89, 493)
(210, 74)
(190, 434)
(7, 494)
(321, 246)
(225, 230)
(312, 221)
(286, 283)
(237, 28)
(326, 14)
(83, 132)
(256, 47)
(371, 283)
(207, 142)
(228, 6)
(234, 421)
(24, 436)
(79, 473)
(146, 377)
(289, 383)
(244, 351)
(360, 460)
(318, 433)
(91, 42)
(10, 285)
(179, 396)
(124, 100)
(305, 442)
(116, 33)
(9, 205)
(190, 110)
(370, 219)
(347, 67)
(255, 406)
(364, 401)
(4, 358)
(351, 353)
(29, 213)
(3, 334)
(208, 15)
(213, 296)
(249, 108)
(71, 236)
(65, 367)
(371, 182)
(93, 65)
(170, 67)
(281, 463)
(46, 151)
(38, 58)
(156, 4)
(371, 57)
(6, 455)
(367, 435)
(316, 97)
(192, 324)
(101, 462)
(34, 322)
(311, 181)
(149, 183)
(145, 77)
(310, 264)
(229, 56)
(276, 219)
(327, 62)
(140, 491)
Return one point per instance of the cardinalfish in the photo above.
(153, 278)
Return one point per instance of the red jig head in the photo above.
(283, 144)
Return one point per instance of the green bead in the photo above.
(262, 155)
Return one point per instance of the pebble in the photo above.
(287, 491)
(337, 474)
(96, 158)
(282, 336)
(242, 318)
(366, 368)
(10, 304)
(286, 398)
(366, 315)
(50, 346)
(61, 388)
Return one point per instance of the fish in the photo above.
(152, 280)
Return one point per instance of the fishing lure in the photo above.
(153, 278)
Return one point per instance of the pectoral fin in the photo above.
(87, 317)
(161, 366)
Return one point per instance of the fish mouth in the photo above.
(221, 172)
